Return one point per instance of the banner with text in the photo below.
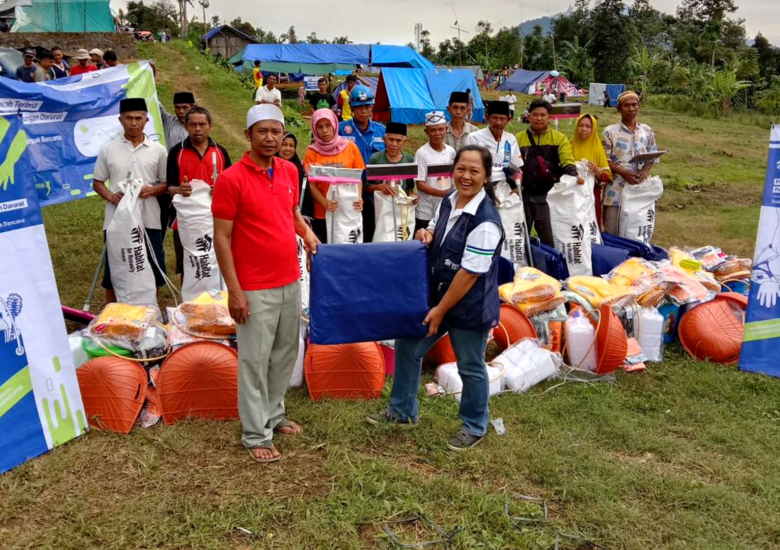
(66, 122)
(40, 402)
(762, 324)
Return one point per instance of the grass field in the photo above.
(683, 455)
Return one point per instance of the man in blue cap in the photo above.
(369, 136)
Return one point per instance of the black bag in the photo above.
(539, 174)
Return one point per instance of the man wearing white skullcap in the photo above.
(256, 220)
(432, 187)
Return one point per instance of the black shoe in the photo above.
(463, 441)
(384, 418)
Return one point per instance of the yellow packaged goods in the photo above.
(639, 274)
(598, 291)
(123, 321)
(209, 314)
(531, 285)
(531, 309)
(505, 292)
(734, 268)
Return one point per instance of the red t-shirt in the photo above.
(264, 244)
(78, 69)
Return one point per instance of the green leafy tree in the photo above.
(426, 49)
(710, 17)
(724, 88)
(289, 37)
(643, 64)
(613, 36)
(312, 39)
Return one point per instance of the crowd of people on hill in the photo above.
(45, 65)
(257, 217)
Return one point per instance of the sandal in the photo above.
(284, 423)
(265, 445)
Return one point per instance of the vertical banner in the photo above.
(68, 120)
(762, 325)
(40, 402)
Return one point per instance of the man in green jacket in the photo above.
(546, 157)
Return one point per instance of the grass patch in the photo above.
(681, 456)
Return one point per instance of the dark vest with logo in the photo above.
(479, 308)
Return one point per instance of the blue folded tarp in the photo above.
(548, 260)
(636, 249)
(368, 292)
(605, 258)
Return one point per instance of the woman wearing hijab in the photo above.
(328, 148)
(289, 151)
(585, 144)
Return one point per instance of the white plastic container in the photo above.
(526, 364)
(448, 378)
(651, 334)
(579, 342)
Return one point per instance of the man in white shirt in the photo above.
(269, 94)
(502, 145)
(512, 100)
(133, 153)
(432, 187)
(550, 98)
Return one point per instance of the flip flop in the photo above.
(284, 423)
(269, 446)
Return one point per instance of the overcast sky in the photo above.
(392, 21)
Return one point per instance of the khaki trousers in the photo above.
(267, 351)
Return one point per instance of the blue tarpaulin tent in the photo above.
(596, 93)
(405, 95)
(352, 54)
(337, 54)
(398, 56)
(61, 16)
(521, 80)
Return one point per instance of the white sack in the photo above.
(196, 231)
(525, 364)
(128, 257)
(345, 225)
(571, 206)
(386, 225)
(512, 214)
(637, 209)
(304, 280)
(448, 378)
(590, 181)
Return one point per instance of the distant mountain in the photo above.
(545, 22)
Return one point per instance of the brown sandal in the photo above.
(284, 423)
(265, 445)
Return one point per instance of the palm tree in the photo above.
(724, 87)
(576, 62)
(642, 63)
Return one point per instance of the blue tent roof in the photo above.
(398, 56)
(352, 54)
(521, 80)
(405, 95)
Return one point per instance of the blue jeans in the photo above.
(469, 347)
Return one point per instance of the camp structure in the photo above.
(371, 81)
(321, 59)
(405, 95)
(58, 15)
(476, 69)
(539, 83)
(596, 93)
(225, 41)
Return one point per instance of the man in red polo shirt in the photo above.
(256, 220)
(198, 157)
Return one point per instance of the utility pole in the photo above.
(457, 28)
(418, 37)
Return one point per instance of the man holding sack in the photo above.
(135, 166)
(256, 219)
(197, 161)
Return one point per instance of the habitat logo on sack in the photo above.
(204, 243)
(650, 215)
(135, 257)
(354, 236)
(577, 232)
(202, 263)
(516, 245)
(593, 230)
